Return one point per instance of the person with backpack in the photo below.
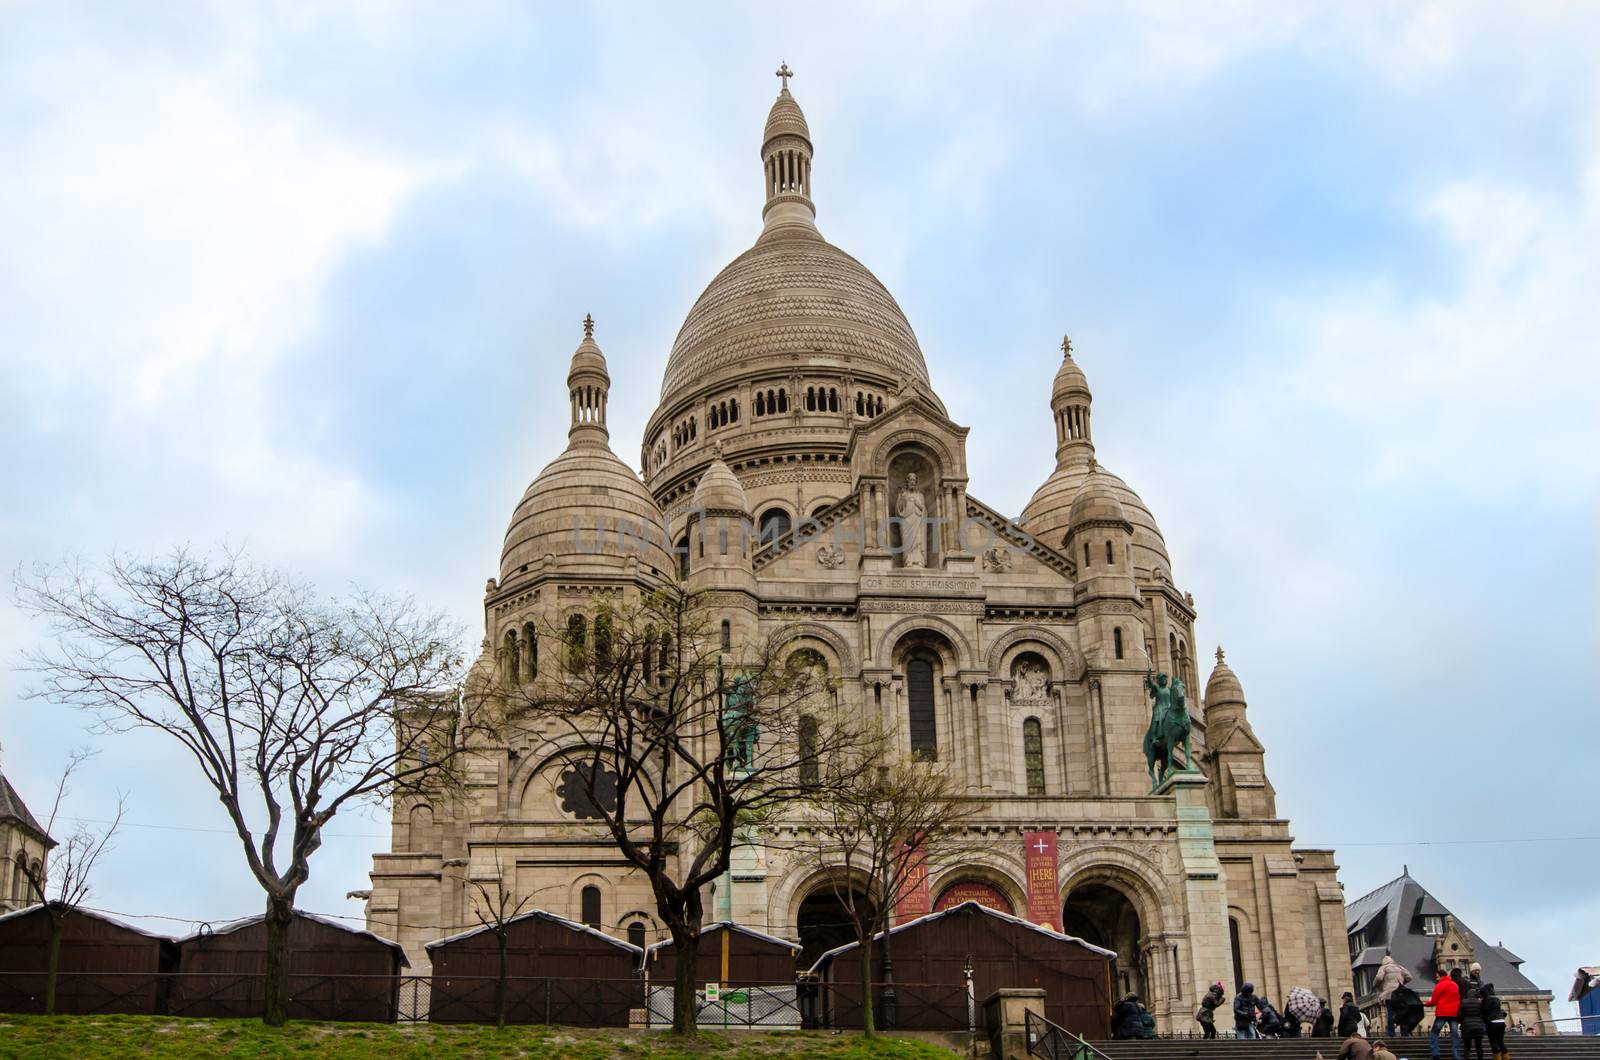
(1349, 1016)
(1390, 977)
(1207, 1016)
(1323, 1028)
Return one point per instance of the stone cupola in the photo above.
(1234, 757)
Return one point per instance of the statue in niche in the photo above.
(739, 725)
(912, 511)
(1033, 682)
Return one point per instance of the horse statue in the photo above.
(1169, 728)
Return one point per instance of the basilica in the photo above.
(1010, 651)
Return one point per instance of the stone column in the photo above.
(1204, 888)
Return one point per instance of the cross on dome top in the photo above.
(1066, 345)
(1220, 658)
(588, 326)
(783, 74)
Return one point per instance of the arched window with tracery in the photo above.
(1033, 754)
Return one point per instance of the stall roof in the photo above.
(1587, 979)
(540, 913)
(986, 911)
(731, 926)
(231, 926)
(79, 910)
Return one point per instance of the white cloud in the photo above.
(171, 236)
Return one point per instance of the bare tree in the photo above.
(292, 707)
(495, 906)
(682, 748)
(884, 829)
(65, 872)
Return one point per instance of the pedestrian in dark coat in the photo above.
(1323, 1028)
(1473, 1029)
(1349, 1016)
(1245, 1007)
(1207, 1016)
(1494, 1021)
(1125, 1021)
(1291, 1023)
(1271, 1024)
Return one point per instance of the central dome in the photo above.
(792, 294)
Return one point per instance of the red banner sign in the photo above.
(1043, 902)
(913, 899)
(981, 893)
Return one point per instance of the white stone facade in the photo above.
(796, 402)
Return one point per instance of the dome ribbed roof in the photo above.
(1097, 500)
(1223, 685)
(719, 490)
(785, 119)
(588, 510)
(1048, 515)
(792, 294)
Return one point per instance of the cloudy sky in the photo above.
(306, 277)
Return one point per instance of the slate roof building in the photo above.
(1403, 919)
(24, 846)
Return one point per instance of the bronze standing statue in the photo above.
(1169, 728)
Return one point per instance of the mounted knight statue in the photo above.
(1169, 729)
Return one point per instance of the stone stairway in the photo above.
(1561, 1047)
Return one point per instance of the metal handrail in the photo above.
(1049, 1041)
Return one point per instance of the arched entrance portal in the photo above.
(1103, 915)
(823, 923)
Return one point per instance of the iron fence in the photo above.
(806, 1004)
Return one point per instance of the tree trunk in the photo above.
(275, 1007)
(687, 949)
(501, 941)
(53, 964)
(868, 1028)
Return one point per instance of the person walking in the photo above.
(1245, 1007)
(1408, 1010)
(1207, 1016)
(1494, 1022)
(1125, 1021)
(1391, 975)
(1473, 1030)
(1323, 1028)
(1446, 1004)
(1349, 1016)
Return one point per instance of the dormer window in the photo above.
(1433, 926)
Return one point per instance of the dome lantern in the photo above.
(786, 161)
(1069, 404)
(588, 386)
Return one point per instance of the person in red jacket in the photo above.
(1446, 1005)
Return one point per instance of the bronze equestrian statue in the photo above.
(1169, 728)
